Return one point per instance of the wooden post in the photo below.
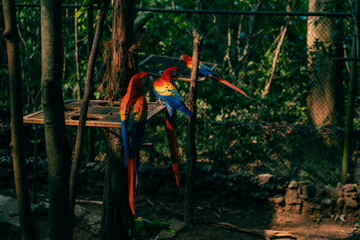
(17, 136)
(351, 97)
(191, 154)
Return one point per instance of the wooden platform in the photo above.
(154, 64)
(100, 113)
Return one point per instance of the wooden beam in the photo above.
(100, 113)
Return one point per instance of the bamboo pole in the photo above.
(191, 154)
(350, 109)
(17, 144)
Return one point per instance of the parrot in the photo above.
(204, 70)
(165, 89)
(144, 227)
(133, 114)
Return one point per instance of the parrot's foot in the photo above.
(159, 102)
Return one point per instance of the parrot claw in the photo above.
(159, 101)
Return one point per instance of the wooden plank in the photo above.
(100, 113)
(154, 64)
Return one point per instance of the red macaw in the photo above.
(165, 89)
(133, 113)
(204, 70)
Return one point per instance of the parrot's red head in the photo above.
(186, 59)
(139, 80)
(170, 73)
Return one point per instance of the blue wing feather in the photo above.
(125, 138)
(174, 101)
(204, 70)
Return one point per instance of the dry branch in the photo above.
(83, 113)
(191, 154)
(277, 51)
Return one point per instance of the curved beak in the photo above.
(145, 81)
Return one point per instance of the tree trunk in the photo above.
(326, 96)
(123, 64)
(117, 220)
(17, 136)
(325, 101)
(57, 146)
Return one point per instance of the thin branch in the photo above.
(77, 79)
(277, 51)
(83, 113)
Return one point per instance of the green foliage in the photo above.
(248, 41)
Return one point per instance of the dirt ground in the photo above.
(251, 223)
(212, 222)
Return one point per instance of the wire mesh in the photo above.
(290, 65)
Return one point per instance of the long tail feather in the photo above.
(130, 172)
(230, 85)
(172, 138)
(185, 110)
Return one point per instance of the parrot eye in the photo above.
(145, 80)
(175, 74)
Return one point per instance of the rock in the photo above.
(349, 188)
(293, 208)
(307, 189)
(92, 219)
(262, 179)
(95, 229)
(79, 212)
(326, 202)
(310, 207)
(340, 202)
(280, 200)
(292, 197)
(293, 185)
(9, 211)
(351, 203)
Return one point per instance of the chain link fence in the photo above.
(291, 64)
(293, 68)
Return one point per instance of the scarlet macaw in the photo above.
(204, 70)
(133, 113)
(165, 89)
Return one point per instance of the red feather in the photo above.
(172, 138)
(131, 170)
